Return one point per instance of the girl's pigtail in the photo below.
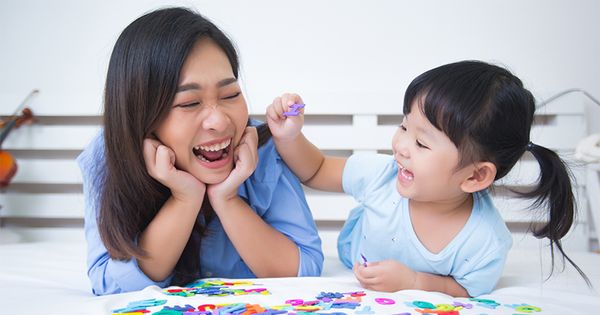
(555, 192)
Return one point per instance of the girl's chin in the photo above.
(403, 191)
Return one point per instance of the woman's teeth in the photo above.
(213, 147)
(213, 152)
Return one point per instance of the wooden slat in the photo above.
(47, 171)
(42, 137)
(318, 102)
(34, 205)
(336, 207)
(59, 171)
(325, 206)
(327, 137)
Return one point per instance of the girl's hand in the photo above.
(284, 128)
(245, 157)
(385, 275)
(160, 163)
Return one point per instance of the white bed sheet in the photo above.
(49, 278)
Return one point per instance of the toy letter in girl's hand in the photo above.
(364, 260)
(294, 110)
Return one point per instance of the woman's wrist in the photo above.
(223, 204)
(179, 202)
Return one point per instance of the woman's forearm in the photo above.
(165, 238)
(266, 251)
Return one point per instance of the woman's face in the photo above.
(208, 115)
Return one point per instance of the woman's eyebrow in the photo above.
(196, 86)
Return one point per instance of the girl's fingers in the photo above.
(272, 114)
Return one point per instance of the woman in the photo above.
(175, 186)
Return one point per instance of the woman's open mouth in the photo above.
(213, 152)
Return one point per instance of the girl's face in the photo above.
(426, 160)
(208, 115)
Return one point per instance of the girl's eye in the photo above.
(188, 105)
(402, 127)
(232, 96)
(420, 145)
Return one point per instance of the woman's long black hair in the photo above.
(141, 83)
(487, 113)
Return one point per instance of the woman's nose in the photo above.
(215, 119)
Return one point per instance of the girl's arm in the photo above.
(392, 276)
(304, 158)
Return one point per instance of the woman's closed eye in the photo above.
(232, 96)
(188, 105)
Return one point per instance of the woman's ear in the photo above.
(481, 178)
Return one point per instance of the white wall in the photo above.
(335, 53)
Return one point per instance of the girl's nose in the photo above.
(400, 146)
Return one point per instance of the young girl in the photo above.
(425, 219)
(175, 186)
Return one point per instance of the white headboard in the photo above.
(45, 198)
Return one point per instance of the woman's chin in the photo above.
(211, 178)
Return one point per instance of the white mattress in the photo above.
(50, 278)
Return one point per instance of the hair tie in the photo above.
(529, 146)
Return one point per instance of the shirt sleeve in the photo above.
(360, 170)
(292, 217)
(107, 275)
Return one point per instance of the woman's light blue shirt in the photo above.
(272, 191)
(380, 227)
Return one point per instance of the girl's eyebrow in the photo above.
(196, 86)
(425, 131)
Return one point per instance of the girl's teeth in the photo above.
(407, 174)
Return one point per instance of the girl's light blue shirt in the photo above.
(380, 228)
(272, 191)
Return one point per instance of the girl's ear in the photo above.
(481, 178)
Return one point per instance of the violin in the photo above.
(8, 164)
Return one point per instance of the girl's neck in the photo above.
(449, 207)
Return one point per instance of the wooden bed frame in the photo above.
(45, 201)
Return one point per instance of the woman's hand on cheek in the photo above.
(386, 275)
(245, 157)
(160, 164)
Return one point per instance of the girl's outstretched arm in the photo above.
(392, 276)
(303, 158)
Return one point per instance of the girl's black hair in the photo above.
(487, 113)
(141, 83)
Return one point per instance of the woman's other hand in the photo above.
(245, 158)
